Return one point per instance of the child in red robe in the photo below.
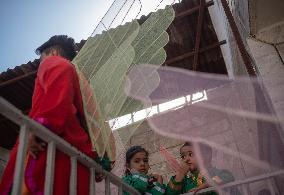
(56, 104)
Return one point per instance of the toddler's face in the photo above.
(139, 163)
(187, 156)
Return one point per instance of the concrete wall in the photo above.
(266, 16)
(266, 45)
(269, 13)
(271, 68)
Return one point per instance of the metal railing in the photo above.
(54, 142)
(264, 177)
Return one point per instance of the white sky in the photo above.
(174, 104)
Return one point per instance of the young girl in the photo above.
(188, 177)
(137, 167)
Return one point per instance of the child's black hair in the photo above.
(65, 44)
(186, 144)
(205, 150)
(130, 153)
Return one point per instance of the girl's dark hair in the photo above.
(130, 153)
(66, 45)
(205, 150)
(186, 144)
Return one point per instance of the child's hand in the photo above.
(217, 180)
(158, 178)
(203, 186)
(183, 170)
(194, 190)
(99, 177)
(35, 146)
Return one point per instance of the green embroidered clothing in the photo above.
(140, 183)
(194, 180)
(189, 182)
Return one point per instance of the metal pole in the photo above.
(21, 156)
(73, 176)
(271, 186)
(198, 34)
(107, 185)
(49, 172)
(245, 56)
(92, 181)
(120, 190)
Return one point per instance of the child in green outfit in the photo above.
(189, 179)
(136, 173)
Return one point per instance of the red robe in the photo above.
(57, 104)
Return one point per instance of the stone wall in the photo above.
(151, 141)
(271, 68)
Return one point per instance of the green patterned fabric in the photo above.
(188, 183)
(140, 183)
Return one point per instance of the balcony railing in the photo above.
(267, 178)
(54, 142)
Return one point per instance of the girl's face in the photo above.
(139, 163)
(187, 156)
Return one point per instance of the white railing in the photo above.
(54, 142)
(264, 177)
